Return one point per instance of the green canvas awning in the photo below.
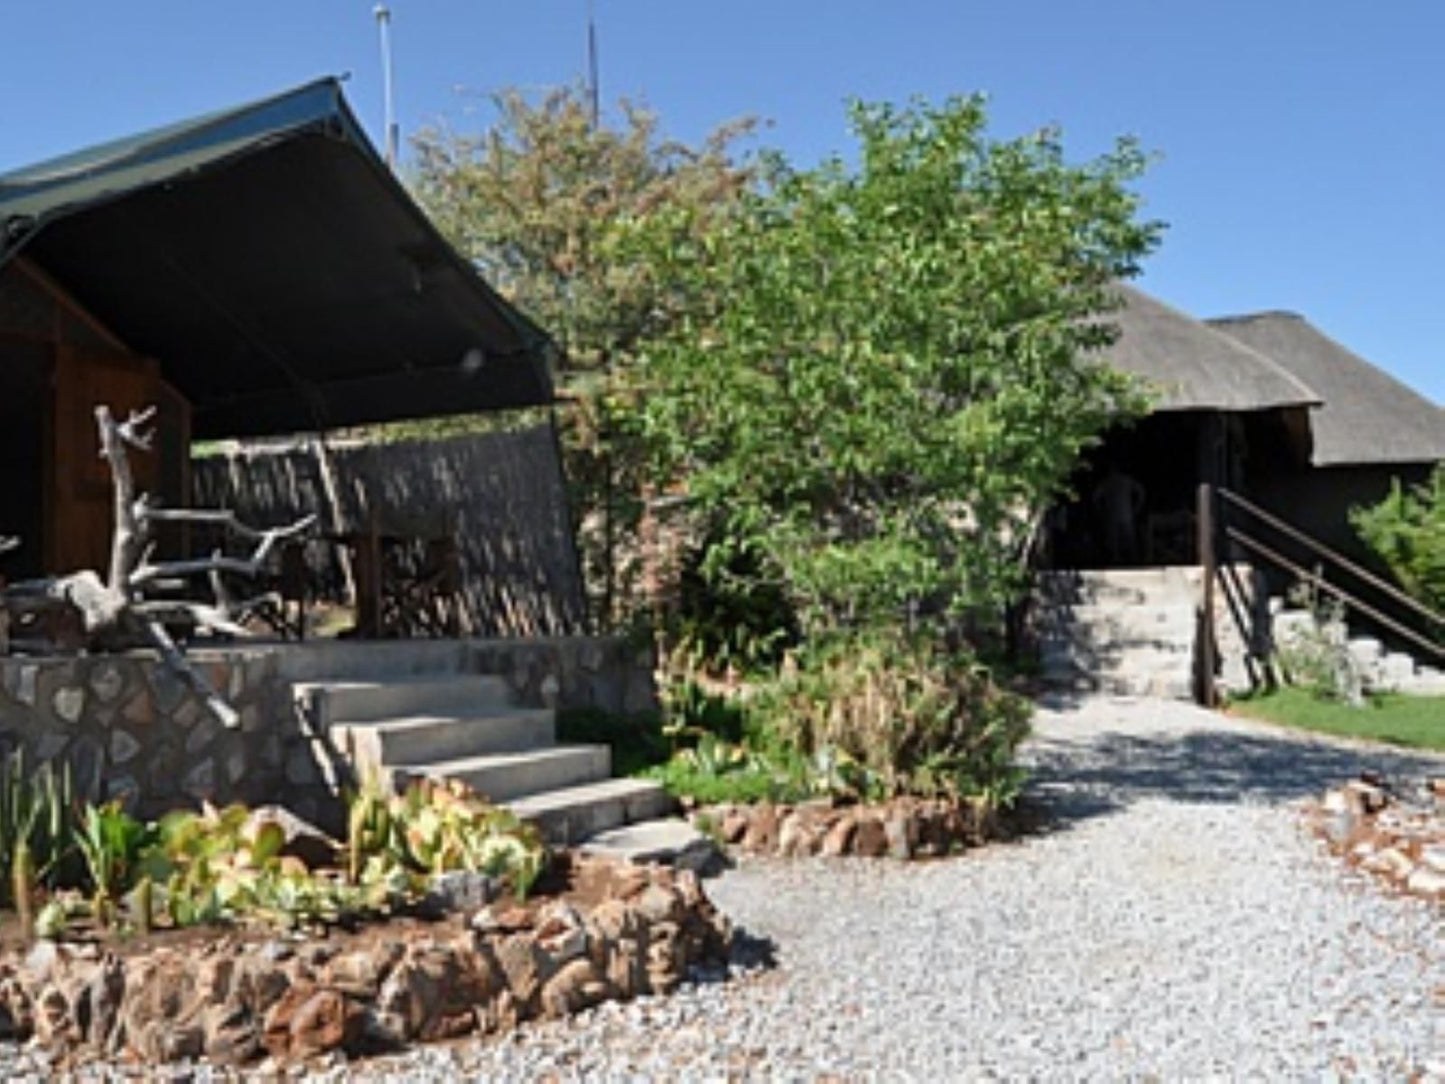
(277, 270)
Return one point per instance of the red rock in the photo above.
(733, 826)
(762, 833)
(869, 839)
(327, 1020)
(576, 986)
(839, 839)
(276, 1034)
(231, 1034)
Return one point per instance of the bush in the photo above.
(1407, 531)
(720, 771)
(894, 715)
(637, 741)
(1317, 658)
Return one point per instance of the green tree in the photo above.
(538, 203)
(1407, 531)
(881, 372)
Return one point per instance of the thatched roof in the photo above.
(1191, 366)
(1367, 415)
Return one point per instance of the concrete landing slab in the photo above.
(670, 841)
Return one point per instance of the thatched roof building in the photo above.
(1265, 405)
(1191, 366)
(1364, 414)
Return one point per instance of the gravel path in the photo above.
(1177, 922)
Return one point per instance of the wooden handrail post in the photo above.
(1208, 565)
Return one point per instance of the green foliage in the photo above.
(716, 770)
(881, 373)
(887, 714)
(538, 203)
(737, 619)
(637, 741)
(110, 840)
(37, 822)
(1407, 531)
(1317, 656)
(221, 865)
(209, 866)
(694, 712)
(437, 827)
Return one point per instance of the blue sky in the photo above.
(1301, 154)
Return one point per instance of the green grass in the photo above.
(1414, 721)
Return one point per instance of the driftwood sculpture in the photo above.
(126, 608)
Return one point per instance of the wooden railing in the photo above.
(1220, 513)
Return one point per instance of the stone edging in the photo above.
(234, 1001)
(901, 828)
(1392, 830)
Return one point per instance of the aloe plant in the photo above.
(37, 829)
(437, 827)
(110, 841)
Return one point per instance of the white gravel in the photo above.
(1176, 923)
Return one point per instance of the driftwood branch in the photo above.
(116, 610)
(146, 572)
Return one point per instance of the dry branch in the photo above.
(116, 611)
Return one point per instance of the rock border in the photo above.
(902, 828)
(1392, 830)
(234, 1001)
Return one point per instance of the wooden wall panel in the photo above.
(80, 512)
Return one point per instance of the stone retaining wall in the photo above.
(902, 828)
(130, 728)
(235, 1001)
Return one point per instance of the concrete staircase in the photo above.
(462, 726)
(1381, 669)
(1129, 632)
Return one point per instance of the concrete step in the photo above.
(1180, 615)
(1168, 686)
(1122, 586)
(501, 777)
(1394, 670)
(573, 814)
(1142, 658)
(334, 702)
(421, 739)
(1366, 650)
(668, 841)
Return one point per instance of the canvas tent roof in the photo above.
(1366, 416)
(276, 269)
(1191, 366)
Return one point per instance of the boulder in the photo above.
(870, 839)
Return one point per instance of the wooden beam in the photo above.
(63, 298)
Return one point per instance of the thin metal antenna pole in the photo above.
(383, 24)
(592, 91)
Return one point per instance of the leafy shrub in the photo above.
(438, 827)
(1316, 657)
(637, 741)
(110, 840)
(37, 822)
(1407, 531)
(720, 771)
(733, 614)
(892, 715)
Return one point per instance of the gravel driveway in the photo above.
(1176, 921)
